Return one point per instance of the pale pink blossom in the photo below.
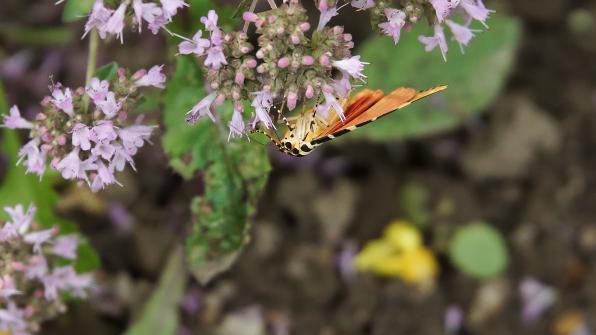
(63, 100)
(210, 21)
(105, 176)
(197, 46)
(462, 34)
(98, 18)
(19, 218)
(443, 8)
(80, 136)
(104, 131)
(396, 19)
(72, 167)
(153, 78)
(262, 103)
(32, 157)
(363, 4)
(158, 22)
(236, 125)
(15, 121)
(110, 107)
(170, 7)
(104, 150)
(121, 157)
(66, 246)
(203, 108)
(115, 24)
(97, 90)
(134, 137)
(326, 15)
(342, 87)
(215, 58)
(353, 66)
(330, 103)
(7, 287)
(145, 11)
(438, 39)
(12, 319)
(38, 238)
(37, 267)
(476, 10)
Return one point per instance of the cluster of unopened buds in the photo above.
(83, 143)
(31, 281)
(111, 21)
(287, 67)
(439, 13)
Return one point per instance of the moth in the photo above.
(308, 130)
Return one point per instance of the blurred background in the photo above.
(484, 194)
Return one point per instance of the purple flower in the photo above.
(236, 125)
(396, 19)
(134, 137)
(71, 166)
(330, 102)
(443, 8)
(20, 219)
(476, 9)
(536, 298)
(8, 232)
(353, 66)
(203, 108)
(454, 317)
(63, 100)
(98, 18)
(13, 319)
(158, 22)
(210, 21)
(438, 39)
(104, 132)
(262, 103)
(115, 24)
(105, 176)
(15, 121)
(326, 15)
(80, 136)
(153, 78)
(104, 150)
(121, 157)
(33, 158)
(196, 46)
(110, 107)
(38, 238)
(342, 87)
(7, 288)
(215, 57)
(66, 246)
(170, 7)
(37, 267)
(363, 4)
(145, 11)
(462, 34)
(97, 90)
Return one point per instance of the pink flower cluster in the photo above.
(31, 282)
(443, 12)
(287, 65)
(87, 146)
(109, 21)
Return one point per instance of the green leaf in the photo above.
(107, 72)
(414, 201)
(234, 174)
(160, 313)
(474, 78)
(36, 36)
(76, 9)
(20, 188)
(479, 250)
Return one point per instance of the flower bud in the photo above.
(214, 85)
(220, 99)
(327, 88)
(304, 26)
(121, 74)
(283, 62)
(46, 137)
(323, 5)
(251, 63)
(324, 60)
(338, 30)
(61, 140)
(295, 39)
(260, 54)
(280, 30)
(250, 17)
(239, 78)
(308, 60)
(122, 116)
(47, 148)
(310, 92)
(271, 18)
(347, 37)
(292, 100)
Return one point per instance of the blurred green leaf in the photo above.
(243, 6)
(479, 250)
(160, 313)
(36, 36)
(414, 201)
(474, 78)
(20, 188)
(107, 72)
(76, 9)
(234, 173)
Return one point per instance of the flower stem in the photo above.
(91, 63)
(272, 4)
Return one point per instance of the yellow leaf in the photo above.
(403, 236)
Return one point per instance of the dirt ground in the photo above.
(527, 166)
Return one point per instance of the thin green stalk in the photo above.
(91, 64)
